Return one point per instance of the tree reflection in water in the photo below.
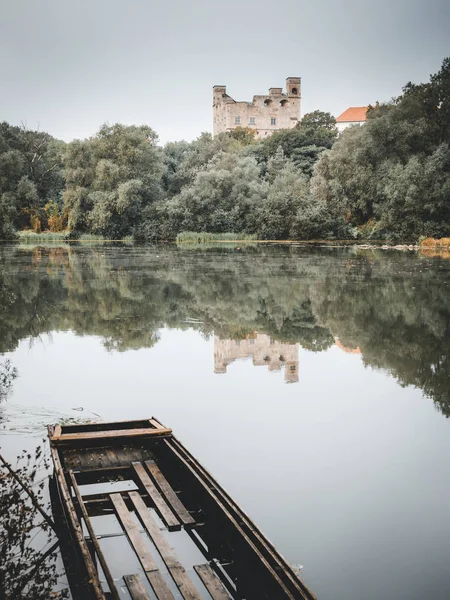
(7, 375)
(28, 545)
(394, 306)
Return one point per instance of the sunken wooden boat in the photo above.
(142, 519)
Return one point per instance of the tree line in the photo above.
(389, 179)
(393, 306)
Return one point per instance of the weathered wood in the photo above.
(211, 582)
(114, 451)
(136, 587)
(162, 508)
(102, 475)
(176, 570)
(156, 423)
(110, 434)
(112, 457)
(72, 461)
(158, 584)
(92, 572)
(169, 494)
(90, 528)
(105, 426)
(189, 462)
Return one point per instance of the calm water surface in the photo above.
(313, 383)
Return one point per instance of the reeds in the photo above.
(194, 237)
(30, 237)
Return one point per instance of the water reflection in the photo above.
(265, 303)
(28, 543)
(8, 373)
(262, 349)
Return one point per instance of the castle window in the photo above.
(237, 120)
(273, 121)
(267, 102)
(283, 102)
(252, 121)
(294, 91)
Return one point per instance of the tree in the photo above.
(111, 178)
(318, 120)
(303, 144)
(289, 211)
(223, 197)
(30, 176)
(393, 174)
(244, 135)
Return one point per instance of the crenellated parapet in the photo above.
(265, 113)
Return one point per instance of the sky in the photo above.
(67, 67)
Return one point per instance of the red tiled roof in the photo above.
(353, 114)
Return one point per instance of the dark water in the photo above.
(313, 383)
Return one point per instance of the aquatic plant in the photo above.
(193, 237)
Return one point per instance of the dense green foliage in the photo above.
(395, 307)
(389, 179)
(30, 178)
(392, 176)
(110, 179)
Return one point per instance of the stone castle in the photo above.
(263, 350)
(265, 114)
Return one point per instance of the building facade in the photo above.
(262, 349)
(265, 114)
(355, 115)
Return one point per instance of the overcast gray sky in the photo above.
(68, 66)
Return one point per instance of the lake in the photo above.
(314, 383)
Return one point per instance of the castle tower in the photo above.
(291, 371)
(294, 89)
(265, 114)
(219, 120)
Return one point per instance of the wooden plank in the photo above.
(169, 493)
(158, 584)
(136, 540)
(214, 491)
(156, 423)
(211, 582)
(90, 528)
(72, 461)
(112, 457)
(111, 434)
(63, 487)
(106, 426)
(210, 485)
(176, 570)
(163, 509)
(136, 587)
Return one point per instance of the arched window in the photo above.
(284, 102)
(294, 91)
(267, 102)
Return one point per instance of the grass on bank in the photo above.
(194, 237)
(30, 237)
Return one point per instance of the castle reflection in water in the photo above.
(264, 351)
